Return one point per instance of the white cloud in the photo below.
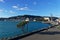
(1, 0)
(20, 8)
(23, 8)
(14, 6)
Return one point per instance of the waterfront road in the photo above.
(51, 34)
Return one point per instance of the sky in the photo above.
(10, 8)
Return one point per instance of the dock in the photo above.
(51, 34)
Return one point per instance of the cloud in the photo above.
(14, 6)
(1, 0)
(23, 8)
(20, 8)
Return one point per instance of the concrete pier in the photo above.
(51, 34)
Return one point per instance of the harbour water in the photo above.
(10, 29)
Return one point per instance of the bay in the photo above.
(10, 29)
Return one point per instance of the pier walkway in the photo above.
(51, 34)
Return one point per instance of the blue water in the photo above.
(9, 28)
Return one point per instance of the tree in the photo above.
(22, 25)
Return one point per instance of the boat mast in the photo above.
(51, 18)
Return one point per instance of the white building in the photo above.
(34, 20)
(46, 18)
(58, 20)
(27, 19)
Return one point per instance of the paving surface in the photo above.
(51, 34)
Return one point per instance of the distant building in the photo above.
(47, 18)
(27, 19)
(34, 20)
(58, 20)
